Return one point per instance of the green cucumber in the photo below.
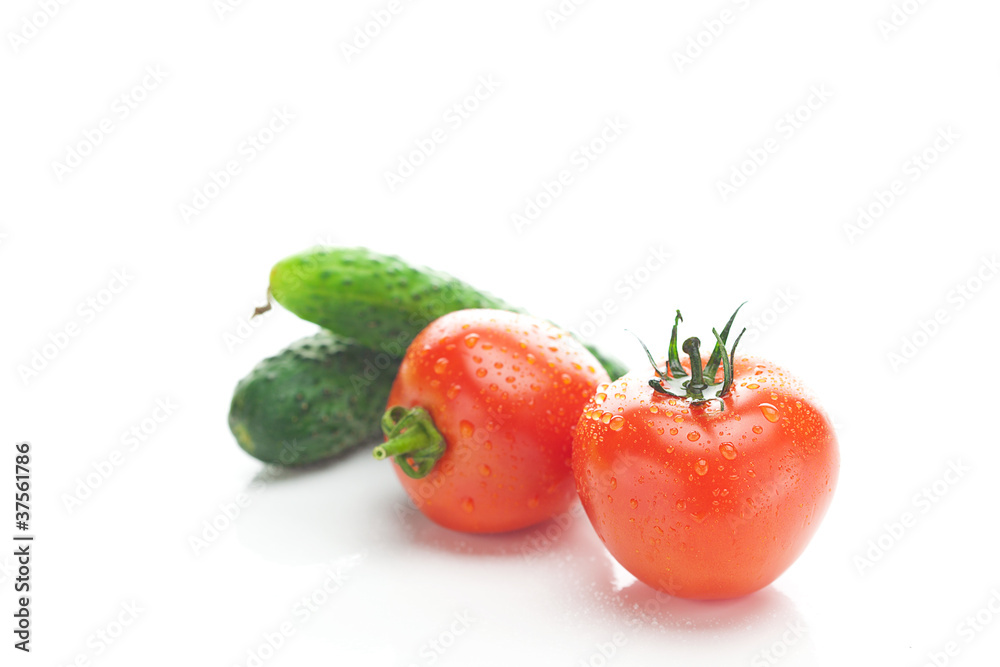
(377, 300)
(317, 398)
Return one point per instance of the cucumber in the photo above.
(317, 398)
(377, 300)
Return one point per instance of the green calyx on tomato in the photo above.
(673, 380)
(413, 441)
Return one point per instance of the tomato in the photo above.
(704, 495)
(481, 416)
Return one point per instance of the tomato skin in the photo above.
(505, 390)
(699, 502)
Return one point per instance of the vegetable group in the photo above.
(293, 411)
(480, 419)
(705, 482)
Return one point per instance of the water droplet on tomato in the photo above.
(770, 412)
(481, 372)
(614, 483)
(701, 467)
(757, 429)
(727, 450)
(633, 503)
(610, 499)
(530, 358)
(440, 366)
(484, 470)
(753, 385)
(566, 379)
(498, 365)
(617, 422)
(681, 505)
(471, 340)
(467, 428)
(606, 417)
(509, 379)
(654, 409)
(468, 504)
(693, 436)
(673, 431)
(453, 390)
(600, 398)
(493, 387)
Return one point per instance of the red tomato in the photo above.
(710, 498)
(481, 419)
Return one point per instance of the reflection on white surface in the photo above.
(422, 594)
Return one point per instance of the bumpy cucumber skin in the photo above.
(317, 398)
(378, 300)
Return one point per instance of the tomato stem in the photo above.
(412, 440)
(696, 385)
(702, 377)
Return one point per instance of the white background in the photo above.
(781, 238)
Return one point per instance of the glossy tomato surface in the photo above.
(505, 390)
(702, 502)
